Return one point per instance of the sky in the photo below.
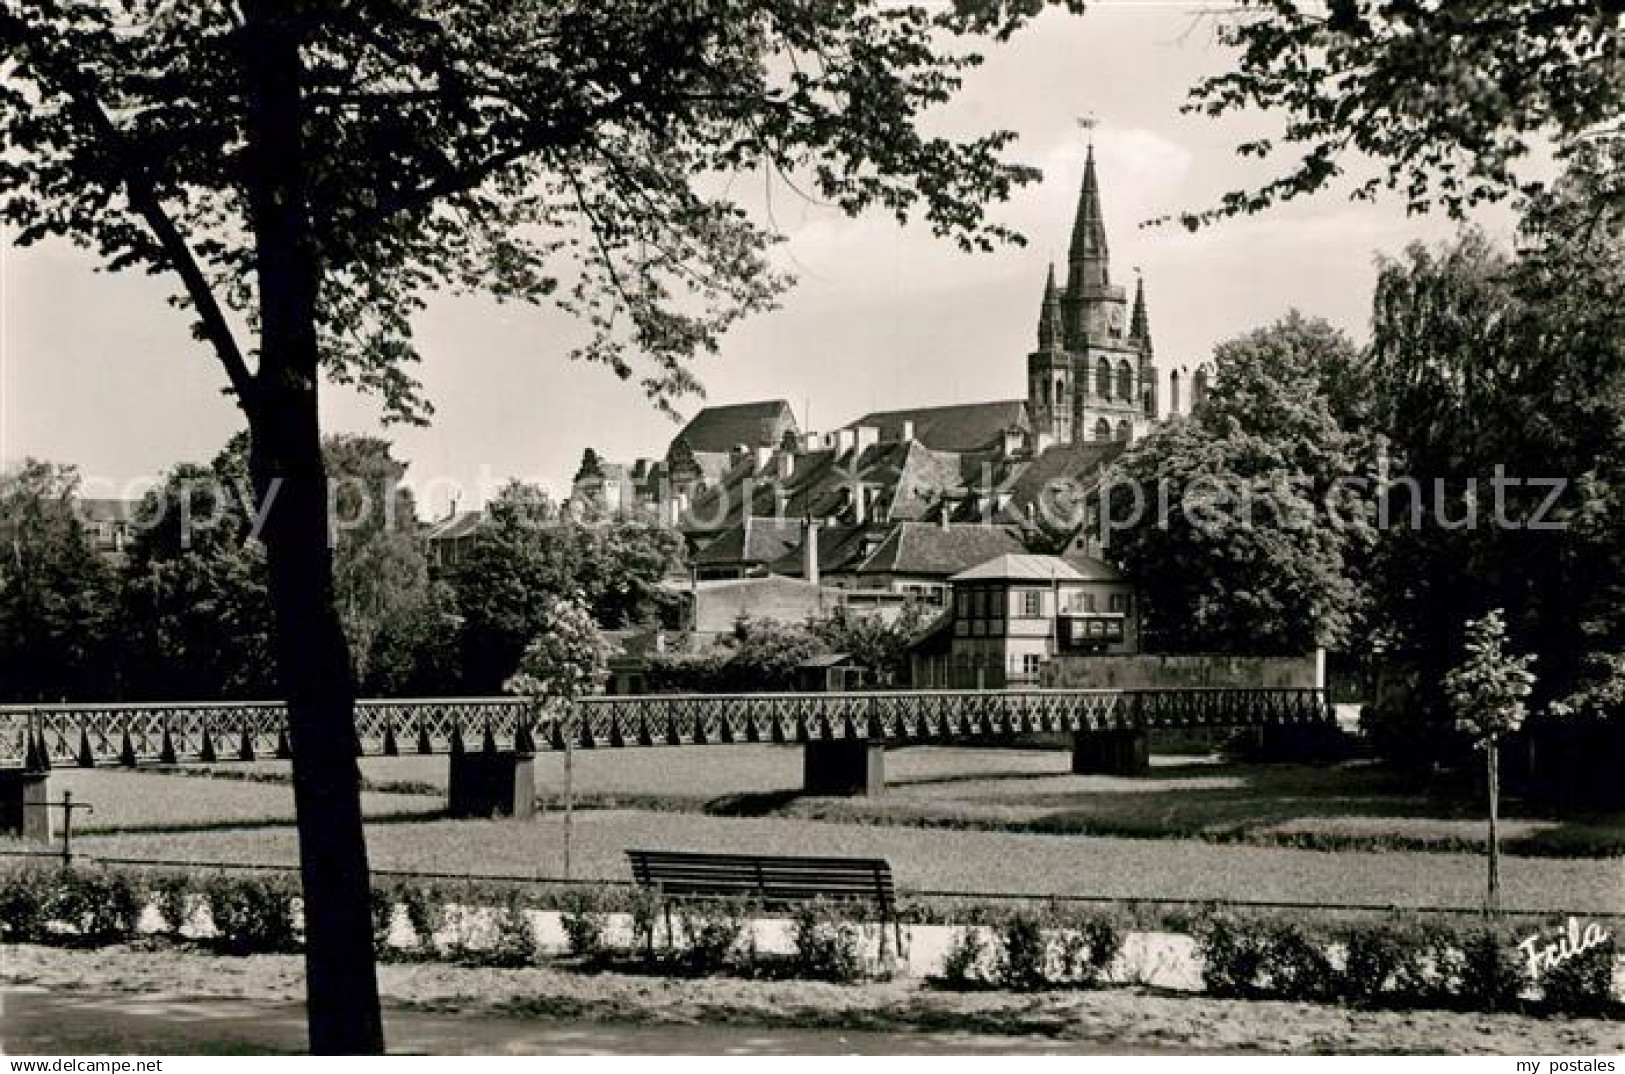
(97, 371)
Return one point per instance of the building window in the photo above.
(1030, 664)
(1103, 430)
(1125, 381)
(1125, 431)
(1103, 379)
(1032, 604)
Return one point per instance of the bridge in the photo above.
(491, 740)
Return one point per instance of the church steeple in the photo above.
(1087, 259)
(1051, 331)
(1139, 323)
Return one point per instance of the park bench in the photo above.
(774, 881)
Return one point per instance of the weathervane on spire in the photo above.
(1088, 122)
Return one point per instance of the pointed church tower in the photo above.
(1049, 371)
(1093, 376)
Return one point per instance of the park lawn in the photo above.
(929, 859)
(1116, 1019)
(1354, 805)
(126, 801)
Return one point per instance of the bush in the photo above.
(173, 899)
(1023, 953)
(100, 906)
(1296, 965)
(1491, 974)
(25, 897)
(383, 918)
(426, 912)
(515, 942)
(827, 941)
(585, 922)
(967, 962)
(1233, 953)
(1583, 984)
(253, 914)
(710, 935)
(1086, 946)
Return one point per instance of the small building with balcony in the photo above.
(1013, 614)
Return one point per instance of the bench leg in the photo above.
(848, 766)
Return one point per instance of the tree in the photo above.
(56, 594)
(1487, 691)
(876, 642)
(1499, 386)
(308, 172)
(1449, 96)
(568, 659)
(1244, 526)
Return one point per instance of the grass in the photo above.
(932, 859)
(961, 819)
(1358, 805)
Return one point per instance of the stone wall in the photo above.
(1131, 671)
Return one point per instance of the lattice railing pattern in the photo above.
(47, 735)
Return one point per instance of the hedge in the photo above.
(1398, 962)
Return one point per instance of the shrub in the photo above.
(515, 941)
(1296, 965)
(100, 906)
(383, 918)
(253, 914)
(1232, 952)
(647, 909)
(1023, 953)
(426, 912)
(710, 935)
(1491, 974)
(966, 963)
(1086, 946)
(1582, 984)
(173, 899)
(25, 896)
(827, 942)
(585, 922)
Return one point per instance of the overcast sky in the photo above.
(98, 372)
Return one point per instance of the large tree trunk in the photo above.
(289, 476)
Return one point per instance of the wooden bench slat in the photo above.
(775, 879)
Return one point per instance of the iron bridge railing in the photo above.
(41, 736)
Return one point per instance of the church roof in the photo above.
(722, 428)
(960, 427)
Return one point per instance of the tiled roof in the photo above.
(839, 548)
(461, 524)
(930, 548)
(1091, 568)
(753, 541)
(964, 427)
(1021, 567)
(722, 428)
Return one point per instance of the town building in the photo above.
(1014, 614)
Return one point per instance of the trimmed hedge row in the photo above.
(1398, 963)
(1388, 963)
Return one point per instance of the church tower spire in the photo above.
(1088, 259)
(1139, 323)
(1051, 331)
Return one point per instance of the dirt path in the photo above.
(452, 1008)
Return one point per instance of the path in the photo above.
(36, 1022)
